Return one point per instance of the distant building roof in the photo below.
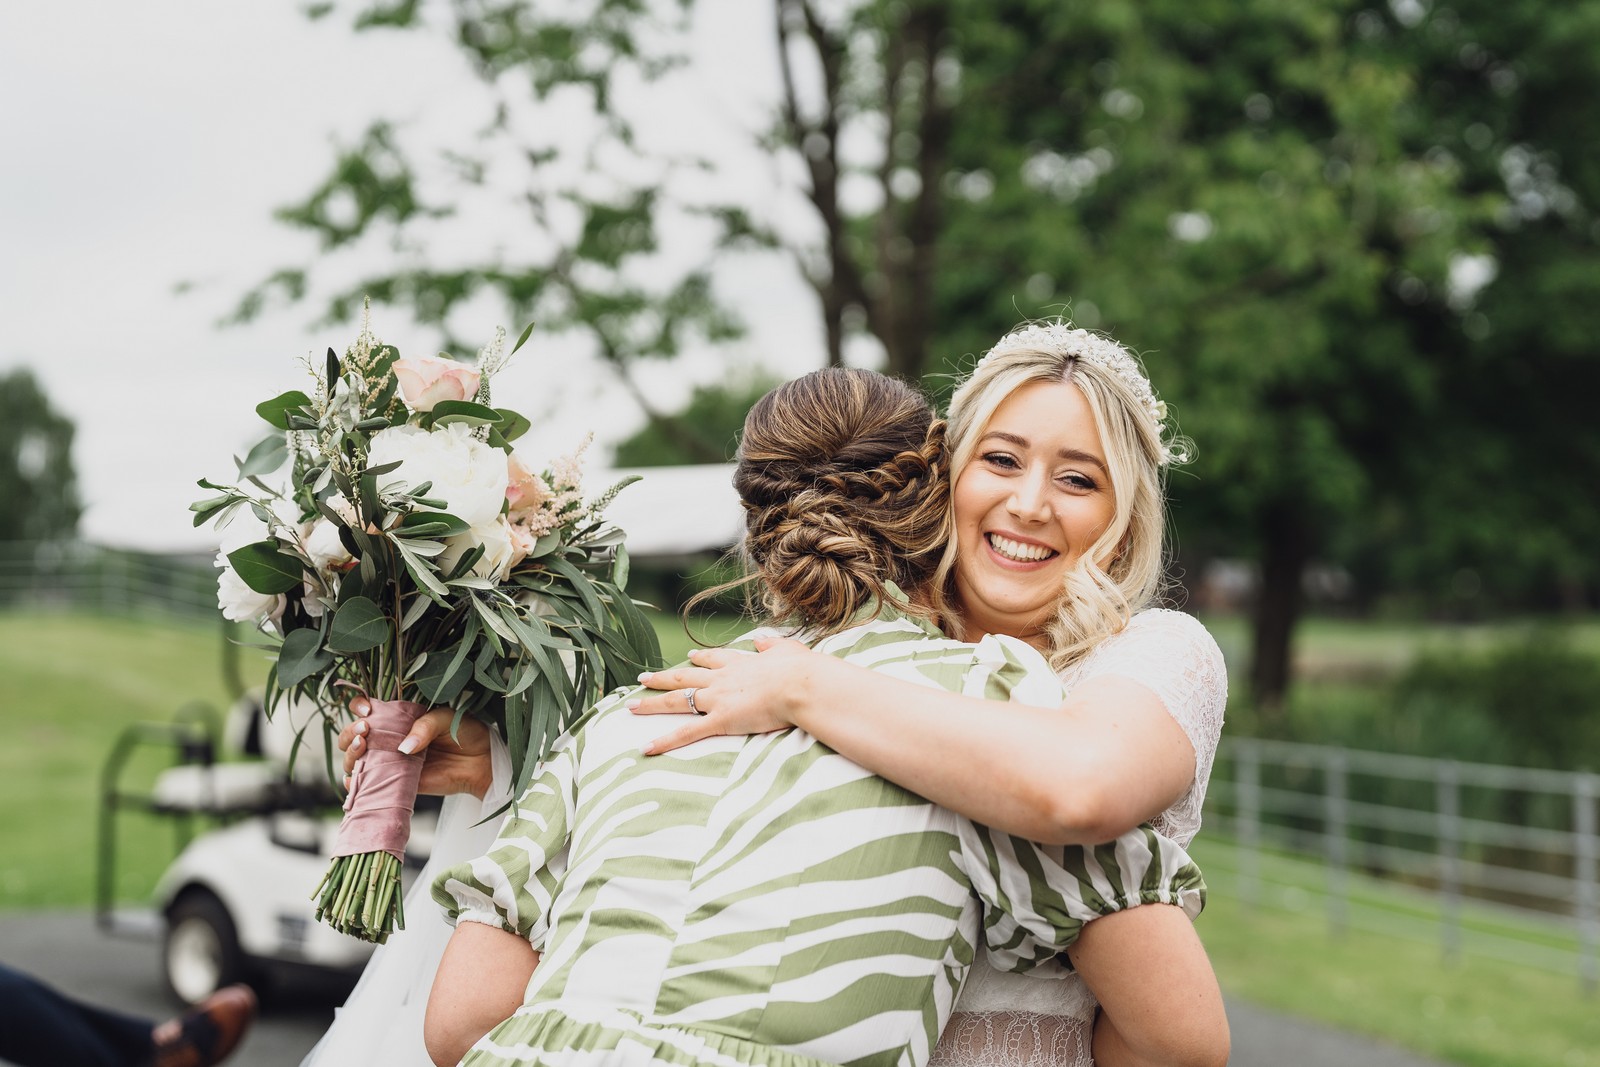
(674, 511)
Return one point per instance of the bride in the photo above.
(1053, 424)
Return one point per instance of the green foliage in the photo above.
(1517, 693)
(38, 485)
(707, 429)
(1532, 701)
(586, 213)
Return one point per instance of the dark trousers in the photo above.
(40, 1027)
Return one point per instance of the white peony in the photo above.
(323, 547)
(498, 552)
(469, 475)
(240, 603)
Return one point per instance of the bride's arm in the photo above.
(1110, 758)
(480, 983)
(1159, 1000)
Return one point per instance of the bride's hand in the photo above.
(735, 692)
(461, 765)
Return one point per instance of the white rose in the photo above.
(240, 603)
(311, 595)
(467, 474)
(495, 537)
(323, 546)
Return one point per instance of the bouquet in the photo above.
(412, 554)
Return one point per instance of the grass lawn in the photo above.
(70, 684)
(1391, 984)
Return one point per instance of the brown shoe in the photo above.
(209, 1033)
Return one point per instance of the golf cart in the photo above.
(235, 905)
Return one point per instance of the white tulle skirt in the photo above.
(381, 1022)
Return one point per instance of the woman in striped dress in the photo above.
(764, 900)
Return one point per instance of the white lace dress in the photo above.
(1013, 1020)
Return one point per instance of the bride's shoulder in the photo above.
(1166, 628)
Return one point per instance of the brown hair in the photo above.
(843, 479)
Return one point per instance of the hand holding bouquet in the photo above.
(413, 555)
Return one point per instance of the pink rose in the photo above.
(522, 542)
(426, 380)
(525, 490)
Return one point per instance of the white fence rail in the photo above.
(1501, 861)
(92, 577)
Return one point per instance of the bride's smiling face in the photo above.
(1034, 497)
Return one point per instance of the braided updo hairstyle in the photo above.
(843, 479)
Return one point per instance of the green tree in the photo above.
(1269, 197)
(582, 215)
(710, 422)
(37, 481)
(1501, 510)
(1248, 191)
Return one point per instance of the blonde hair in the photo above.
(845, 488)
(1096, 601)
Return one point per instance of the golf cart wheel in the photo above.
(201, 951)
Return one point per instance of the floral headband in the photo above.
(1096, 350)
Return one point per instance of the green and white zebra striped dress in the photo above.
(763, 900)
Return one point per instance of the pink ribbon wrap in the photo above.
(383, 787)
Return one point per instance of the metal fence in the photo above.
(1495, 861)
(71, 574)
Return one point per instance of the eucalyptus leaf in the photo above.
(445, 673)
(301, 656)
(277, 410)
(266, 456)
(358, 626)
(266, 568)
(545, 545)
(512, 424)
(446, 412)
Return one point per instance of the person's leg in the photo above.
(40, 1027)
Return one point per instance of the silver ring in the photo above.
(688, 694)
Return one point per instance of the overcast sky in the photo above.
(145, 145)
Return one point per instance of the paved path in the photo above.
(66, 949)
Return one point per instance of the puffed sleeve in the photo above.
(1036, 898)
(513, 885)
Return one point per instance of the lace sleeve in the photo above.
(1174, 656)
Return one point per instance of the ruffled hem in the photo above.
(548, 1037)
